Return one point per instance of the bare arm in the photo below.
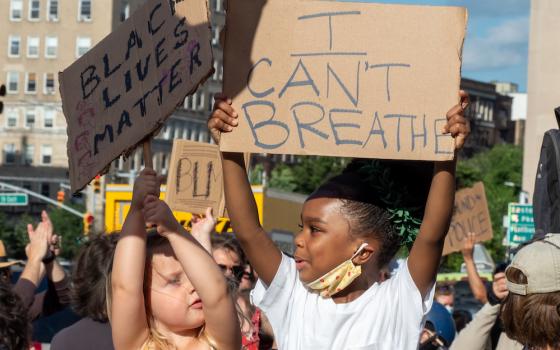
(426, 252)
(128, 314)
(202, 228)
(425, 255)
(475, 282)
(263, 255)
(221, 322)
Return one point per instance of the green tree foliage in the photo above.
(496, 167)
(307, 174)
(67, 225)
(14, 236)
(70, 227)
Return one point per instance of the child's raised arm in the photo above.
(221, 322)
(128, 314)
(425, 255)
(263, 255)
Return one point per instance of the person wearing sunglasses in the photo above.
(228, 255)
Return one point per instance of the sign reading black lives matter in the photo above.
(125, 87)
(342, 78)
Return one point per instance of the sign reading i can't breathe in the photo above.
(342, 78)
(125, 87)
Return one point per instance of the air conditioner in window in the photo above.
(85, 18)
(50, 91)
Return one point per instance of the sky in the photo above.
(496, 46)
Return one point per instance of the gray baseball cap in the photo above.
(540, 263)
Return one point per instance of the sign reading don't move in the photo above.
(342, 78)
(470, 214)
(125, 87)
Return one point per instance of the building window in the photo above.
(30, 83)
(13, 82)
(49, 84)
(84, 10)
(210, 102)
(82, 46)
(9, 153)
(46, 155)
(52, 10)
(11, 118)
(16, 10)
(48, 118)
(51, 46)
(28, 155)
(32, 46)
(46, 189)
(125, 12)
(14, 46)
(216, 36)
(34, 10)
(218, 6)
(164, 163)
(30, 118)
(215, 75)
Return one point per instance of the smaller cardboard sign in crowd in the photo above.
(470, 214)
(195, 180)
(125, 87)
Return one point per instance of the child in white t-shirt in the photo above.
(328, 296)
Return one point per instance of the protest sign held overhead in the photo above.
(125, 87)
(195, 179)
(470, 214)
(342, 79)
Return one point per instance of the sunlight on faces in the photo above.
(325, 241)
(171, 295)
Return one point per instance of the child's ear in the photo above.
(367, 253)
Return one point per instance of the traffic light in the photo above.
(97, 184)
(88, 223)
(2, 94)
(60, 196)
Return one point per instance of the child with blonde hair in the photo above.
(167, 291)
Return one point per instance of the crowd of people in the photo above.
(159, 285)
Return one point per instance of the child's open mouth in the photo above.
(300, 263)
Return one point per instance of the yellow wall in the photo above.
(117, 205)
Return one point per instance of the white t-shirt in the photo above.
(388, 316)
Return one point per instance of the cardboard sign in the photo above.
(125, 87)
(195, 178)
(469, 215)
(341, 78)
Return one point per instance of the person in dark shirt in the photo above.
(91, 274)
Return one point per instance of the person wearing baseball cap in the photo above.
(531, 311)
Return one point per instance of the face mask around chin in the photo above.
(338, 278)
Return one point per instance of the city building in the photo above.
(543, 95)
(40, 38)
(518, 108)
(490, 117)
